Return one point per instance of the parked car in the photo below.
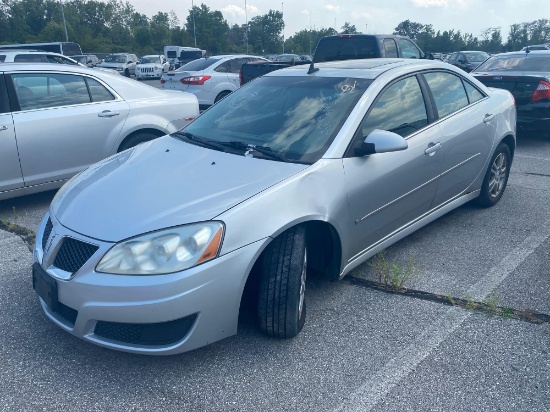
(533, 47)
(56, 120)
(152, 66)
(527, 77)
(288, 58)
(344, 47)
(124, 63)
(290, 175)
(467, 60)
(33, 56)
(89, 60)
(210, 79)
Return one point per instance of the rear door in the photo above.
(467, 132)
(63, 123)
(10, 169)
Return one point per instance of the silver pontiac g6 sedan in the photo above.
(306, 170)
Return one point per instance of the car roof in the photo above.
(40, 67)
(27, 51)
(362, 68)
(524, 53)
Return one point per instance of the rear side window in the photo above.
(345, 48)
(98, 92)
(2, 58)
(448, 92)
(25, 58)
(44, 90)
(198, 65)
(473, 94)
(390, 47)
(399, 109)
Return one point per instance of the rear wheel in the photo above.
(282, 304)
(127, 73)
(136, 139)
(496, 177)
(221, 96)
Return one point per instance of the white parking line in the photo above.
(374, 389)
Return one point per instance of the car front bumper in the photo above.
(129, 313)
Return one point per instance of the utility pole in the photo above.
(283, 14)
(310, 32)
(194, 32)
(64, 24)
(246, 19)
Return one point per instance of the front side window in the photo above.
(408, 50)
(2, 58)
(390, 47)
(44, 90)
(448, 92)
(296, 118)
(399, 109)
(28, 58)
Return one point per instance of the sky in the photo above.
(381, 17)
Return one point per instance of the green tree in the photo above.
(265, 33)
(210, 27)
(305, 41)
(348, 28)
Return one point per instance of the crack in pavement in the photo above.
(28, 236)
(469, 304)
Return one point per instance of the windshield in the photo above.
(295, 118)
(113, 58)
(477, 57)
(197, 65)
(150, 59)
(516, 64)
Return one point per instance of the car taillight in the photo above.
(195, 80)
(542, 92)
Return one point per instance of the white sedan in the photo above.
(56, 120)
(210, 79)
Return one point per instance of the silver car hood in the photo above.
(160, 184)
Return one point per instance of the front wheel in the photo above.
(496, 177)
(127, 73)
(282, 304)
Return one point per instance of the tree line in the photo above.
(115, 26)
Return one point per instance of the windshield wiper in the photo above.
(201, 141)
(266, 151)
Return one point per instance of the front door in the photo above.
(386, 191)
(10, 170)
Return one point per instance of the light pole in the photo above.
(64, 24)
(246, 20)
(310, 32)
(194, 32)
(283, 15)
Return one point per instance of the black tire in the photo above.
(136, 139)
(496, 177)
(127, 73)
(281, 303)
(221, 96)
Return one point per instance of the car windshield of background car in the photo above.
(115, 59)
(345, 48)
(296, 117)
(199, 64)
(150, 59)
(476, 57)
(516, 63)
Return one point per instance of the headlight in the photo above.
(119, 68)
(165, 251)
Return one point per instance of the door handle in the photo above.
(432, 148)
(107, 113)
(3, 128)
(488, 117)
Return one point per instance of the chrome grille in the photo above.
(73, 254)
(147, 70)
(47, 233)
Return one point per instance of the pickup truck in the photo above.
(346, 47)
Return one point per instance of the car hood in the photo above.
(161, 184)
(154, 65)
(112, 65)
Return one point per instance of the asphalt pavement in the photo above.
(362, 349)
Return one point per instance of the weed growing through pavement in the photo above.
(391, 274)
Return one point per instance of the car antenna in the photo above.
(312, 69)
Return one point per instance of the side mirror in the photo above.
(381, 141)
(429, 56)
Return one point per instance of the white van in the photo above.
(178, 55)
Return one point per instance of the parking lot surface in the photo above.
(362, 349)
